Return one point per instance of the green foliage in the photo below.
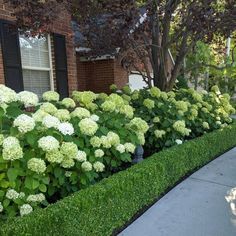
(108, 205)
(176, 117)
(58, 149)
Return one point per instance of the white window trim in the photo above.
(50, 69)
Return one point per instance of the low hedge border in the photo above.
(108, 205)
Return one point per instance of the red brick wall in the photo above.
(62, 25)
(98, 75)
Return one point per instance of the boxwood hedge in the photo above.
(108, 205)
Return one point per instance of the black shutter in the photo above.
(11, 56)
(61, 65)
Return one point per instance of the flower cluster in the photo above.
(28, 99)
(24, 123)
(51, 96)
(11, 149)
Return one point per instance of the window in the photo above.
(36, 64)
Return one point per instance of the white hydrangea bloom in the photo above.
(51, 121)
(80, 113)
(66, 128)
(36, 165)
(29, 99)
(88, 126)
(99, 153)
(39, 115)
(129, 147)
(24, 123)
(1, 207)
(87, 166)
(51, 96)
(94, 118)
(98, 166)
(12, 194)
(68, 174)
(178, 141)
(48, 143)
(21, 195)
(62, 114)
(36, 198)
(25, 209)
(81, 156)
(120, 148)
(11, 149)
(7, 95)
(48, 108)
(68, 103)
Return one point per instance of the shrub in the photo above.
(58, 149)
(108, 205)
(180, 115)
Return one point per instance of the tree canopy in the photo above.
(142, 31)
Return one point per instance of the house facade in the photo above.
(51, 62)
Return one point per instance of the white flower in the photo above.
(120, 148)
(7, 95)
(24, 123)
(48, 143)
(25, 209)
(12, 194)
(66, 128)
(36, 198)
(68, 174)
(178, 141)
(1, 207)
(88, 126)
(80, 113)
(39, 115)
(68, 103)
(94, 118)
(48, 108)
(21, 195)
(11, 149)
(51, 96)
(99, 153)
(51, 121)
(129, 147)
(98, 166)
(86, 166)
(37, 165)
(81, 156)
(29, 99)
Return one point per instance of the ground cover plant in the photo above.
(52, 148)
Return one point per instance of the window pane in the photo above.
(34, 52)
(36, 81)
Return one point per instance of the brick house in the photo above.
(51, 62)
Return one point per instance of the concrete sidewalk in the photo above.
(196, 207)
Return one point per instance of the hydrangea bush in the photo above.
(177, 116)
(59, 148)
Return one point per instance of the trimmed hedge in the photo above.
(108, 205)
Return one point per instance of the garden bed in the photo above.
(103, 208)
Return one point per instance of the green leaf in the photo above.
(31, 183)
(2, 175)
(12, 174)
(43, 188)
(31, 138)
(1, 112)
(58, 172)
(4, 183)
(13, 111)
(6, 203)
(46, 180)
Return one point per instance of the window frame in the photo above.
(49, 69)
